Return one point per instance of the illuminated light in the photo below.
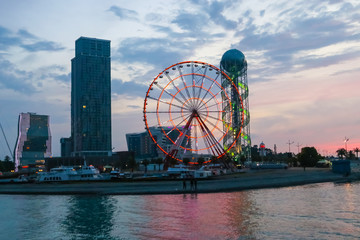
(232, 154)
(245, 137)
(84, 106)
(25, 166)
(241, 85)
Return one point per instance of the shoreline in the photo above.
(249, 180)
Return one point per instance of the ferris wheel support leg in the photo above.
(168, 158)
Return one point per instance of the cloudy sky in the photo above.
(303, 61)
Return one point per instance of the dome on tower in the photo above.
(233, 60)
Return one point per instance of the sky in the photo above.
(303, 62)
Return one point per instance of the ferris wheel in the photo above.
(187, 112)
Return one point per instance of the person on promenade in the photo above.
(195, 184)
(184, 184)
(192, 184)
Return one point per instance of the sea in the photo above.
(316, 211)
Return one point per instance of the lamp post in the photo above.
(345, 141)
(289, 143)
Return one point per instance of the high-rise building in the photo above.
(34, 140)
(142, 145)
(66, 147)
(91, 98)
(145, 148)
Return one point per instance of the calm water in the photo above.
(319, 211)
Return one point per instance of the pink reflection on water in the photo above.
(192, 216)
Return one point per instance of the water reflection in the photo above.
(192, 216)
(319, 211)
(89, 217)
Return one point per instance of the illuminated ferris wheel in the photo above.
(184, 112)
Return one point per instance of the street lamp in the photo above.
(345, 141)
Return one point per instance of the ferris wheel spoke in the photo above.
(200, 87)
(213, 97)
(178, 90)
(183, 81)
(196, 138)
(209, 133)
(218, 119)
(175, 127)
(165, 102)
(167, 121)
(169, 93)
(201, 102)
(212, 84)
(215, 126)
(207, 137)
(211, 111)
(164, 112)
(217, 103)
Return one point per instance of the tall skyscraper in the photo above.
(34, 140)
(91, 98)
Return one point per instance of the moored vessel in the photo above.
(64, 173)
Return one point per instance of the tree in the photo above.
(173, 161)
(200, 161)
(357, 150)
(308, 157)
(7, 165)
(186, 161)
(145, 163)
(341, 152)
(351, 155)
(159, 161)
(131, 162)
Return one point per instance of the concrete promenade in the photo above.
(251, 179)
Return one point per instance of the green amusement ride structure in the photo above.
(236, 112)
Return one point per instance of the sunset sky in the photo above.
(303, 62)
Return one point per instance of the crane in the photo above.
(7, 143)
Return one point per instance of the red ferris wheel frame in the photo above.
(192, 106)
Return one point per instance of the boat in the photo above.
(64, 173)
(20, 179)
(181, 172)
(115, 175)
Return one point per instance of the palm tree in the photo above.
(159, 161)
(351, 155)
(357, 150)
(200, 161)
(341, 152)
(145, 163)
(186, 161)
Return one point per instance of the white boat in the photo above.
(59, 174)
(20, 179)
(188, 173)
